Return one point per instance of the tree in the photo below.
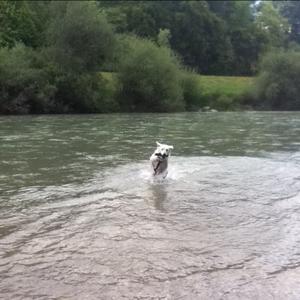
(200, 38)
(163, 37)
(196, 34)
(17, 24)
(63, 75)
(80, 36)
(247, 41)
(291, 11)
(150, 77)
(272, 24)
(24, 86)
(278, 85)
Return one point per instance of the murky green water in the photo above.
(82, 218)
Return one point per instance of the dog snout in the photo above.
(162, 155)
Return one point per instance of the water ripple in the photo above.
(90, 222)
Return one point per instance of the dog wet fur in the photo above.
(159, 159)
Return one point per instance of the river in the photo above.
(82, 217)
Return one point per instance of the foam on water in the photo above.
(239, 174)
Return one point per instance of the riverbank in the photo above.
(218, 92)
(225, 92)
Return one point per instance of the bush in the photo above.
(224, 103)
(192, 92)
(31, 83)
(86, 93)
(81, 38)
(64, 75)
(18, 24)
(150, 78)
(278, 83)
(24, 88)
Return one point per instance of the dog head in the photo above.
(163, 151)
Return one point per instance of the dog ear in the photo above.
(171, 147)
(158, 144)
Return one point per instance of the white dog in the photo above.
(159, 159)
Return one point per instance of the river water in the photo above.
(82, 217)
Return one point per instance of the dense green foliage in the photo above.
(205, 90)
(62, 74)
(192, 91)
(291, 10)
(54, 54)
(212, 37)
(24, 86)
(278, 84)
(150, 77)
(18, 23)
(81, 37)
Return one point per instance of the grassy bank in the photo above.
(220, 92)
(225, 92)
(225, 85)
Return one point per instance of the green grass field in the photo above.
(221, 85)
(229, 86)
(107, 75)
(220, 92)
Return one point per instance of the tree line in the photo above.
(54, 55)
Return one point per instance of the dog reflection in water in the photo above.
(157, 196)
(159, 159)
